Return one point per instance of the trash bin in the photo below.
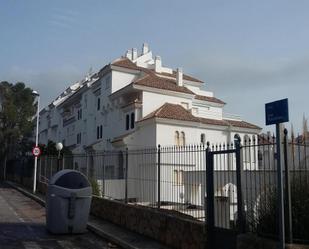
(68, 202)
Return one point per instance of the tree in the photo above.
(16, 112)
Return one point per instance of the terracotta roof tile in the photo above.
(172, 111)
(154, 81)
(185, 76)
(243, 124)
(126, 63)
(210, 99)
(177, 112)
(213, 121)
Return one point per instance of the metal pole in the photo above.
(288, 207)
(210, 212)
(159, 176)
(280, 191)
(126, 182)
(240, 209)
(36, 144)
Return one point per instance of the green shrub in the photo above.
(267, 210)
(95, 187)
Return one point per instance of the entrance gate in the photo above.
(224, 212)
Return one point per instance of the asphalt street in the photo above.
(22, 225)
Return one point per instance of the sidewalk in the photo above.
(104, 229)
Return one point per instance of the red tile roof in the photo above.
(154, 81)
(185, 76)
(126, 63)
(177, 112)
(172, 111)
(209, 99)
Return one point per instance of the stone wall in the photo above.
(169, 227)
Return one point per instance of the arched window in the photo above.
(203, 138)
(176, 138)
(236, 138)
(182, 139)
(247, 148)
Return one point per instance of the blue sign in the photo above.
(277, 112)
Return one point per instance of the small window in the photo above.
(127, 122)
(178, 177)
(107, 82)
(79, 138)
(98, 132)
(132, 120)
(98, 104)
(101, 131)
(203, 138)
(176, 138)
(182, 139)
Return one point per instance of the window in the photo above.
(127, 122)
(236, 138)
(247, 148)
(79, 114)
(101, 131)
(132, 120)
(182, 140)
(79, 138)
(178, 177)
(98, 104)
(203, 138)
(98, 132)
(176, 138)
(107, 82)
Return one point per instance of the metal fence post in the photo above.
(210, 212)
(103, 176)
(240, 209)
(126, 182)
(62, 161)
(288, 213)
(159, 176)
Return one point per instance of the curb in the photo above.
(90, 227)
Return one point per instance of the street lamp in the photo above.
(36, 94)
(59, 147)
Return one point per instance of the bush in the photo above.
(95, 187)
(267, 210)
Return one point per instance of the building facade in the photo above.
(136, 102)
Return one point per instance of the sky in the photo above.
(247, 52)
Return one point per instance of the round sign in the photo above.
(36, 151)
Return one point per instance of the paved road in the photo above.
(22, 226)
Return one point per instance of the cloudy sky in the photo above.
(247, 52)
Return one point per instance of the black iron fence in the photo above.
(175, 178)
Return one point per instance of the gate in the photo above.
(224, 205)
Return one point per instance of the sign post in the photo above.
(276, 113)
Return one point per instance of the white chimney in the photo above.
(145, 48)
(129, 54)
(134, 54)
(158, 64)
(179, 77)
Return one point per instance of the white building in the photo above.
(136, 102)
